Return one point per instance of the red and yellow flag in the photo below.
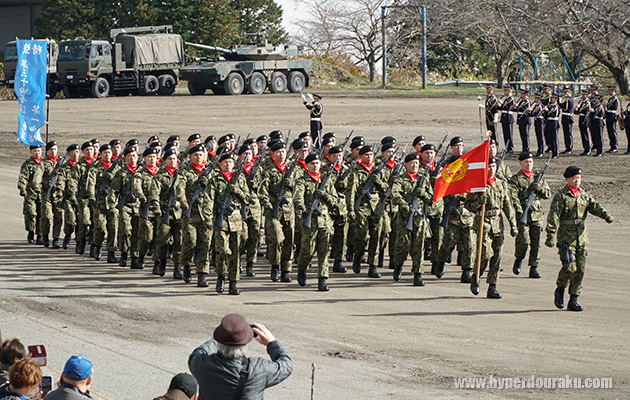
(467, 174)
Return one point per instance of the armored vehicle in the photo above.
(10, 66)
(253, 68)
(143, 60)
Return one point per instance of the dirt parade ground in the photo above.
(368, 338)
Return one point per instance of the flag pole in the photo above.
(479, 247)
(47, 87)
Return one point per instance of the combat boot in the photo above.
(137, 263)
(150, 251)
(356, 264)
(373, 273)
(156, 266)
(322, 286)
(92, 247)
(111, 257)
(162, 267)
(249, 269)
(391, 263)
(233, 289)
(533, 273)
(558, 297)
(338, 267)
(275, 273)
(573, 304)
(97, 252)
(474, 285)
(220, 286)
(301, 278)
(38, 240)
(465, 278)
(55, 243)
(30, 238)
(123, 260)
(177, 271)
(398, 272)
(517, 266)
(284, 277)
(201, 280)
(449, 259)
(79, 249)
(493, 293)
(381, 259)
(417, 279)
(187, 274)
(66, 242)
(45, 241)
(439, 270)
(349, 253)
(433, 266)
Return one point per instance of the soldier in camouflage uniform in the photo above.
(568, 212)
(253, 173)
(84, 215)
(193, 140)
(67, 203)
(521, 185)
(497, 199)
(388, 230)
(129, 208)
(405, 189)
(116, 149)
(433, 210)
(339, 213)
(316, 237)
(503, 170)
(350, 162)
(142, 182)
(31, 193)
(49, 210)
(300, 151)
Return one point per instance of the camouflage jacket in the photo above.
(254, 209)
(272, 178)
(185, 186)
(403, 192)
(122, 183)
(303, 196)
(142, 181)
(79, 180)
(340, 187)
(433, 209)
(64, 182)
(357, 181)
(567, 216)
(497, 199)
(26, 185)
(217, 190)
(459, 216)
(107, 196)
(504, 172)
(162, 186)
(520, 186)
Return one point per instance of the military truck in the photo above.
(253, 68)
(143, 60)
(10, 66)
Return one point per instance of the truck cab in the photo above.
(85, 63)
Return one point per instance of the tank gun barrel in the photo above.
(206, 47)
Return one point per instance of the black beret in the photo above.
(168, 153)
(417, 140)
(456, 140)
(304, 134)
(153, 138)
(525, 155)
(194, 136)
(104, 147)
(310, 158)
(169, 146)
(226, 156)
(156, 143)
(114, 142)
(297, 144)
(172, 138)
(275, 135)
(358, 139)
(209, 138)
(149, 151)
(221, 150)
(387, 146)
(50, 144)
(194, 149)
(327, 140)
(243, 149)
(94, 141)
(356, 143)
(365, 149)
(132, 142)
(129, 149)
(86, 145)
(223, 139)
(328, 135)
(411, 157)
(231, 136)
(261, 138)
(72, 147)
(427, 147)
(277, 146)
(34, 147)
(492, 160)
(388, 139)
(572, 171)
(248, 142)
(335, 150)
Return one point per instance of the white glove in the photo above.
(482, 107)
(310, 96)
(303, 98)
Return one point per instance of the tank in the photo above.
(250, 68)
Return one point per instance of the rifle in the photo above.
(126, 194)
(503, 153)
(256, 165)
(314, 206)
(227, 198)
(288, 136)
(52, 183)
(531, 197)
(452, 206)
(102, 188)
(196, 194)
(345, 142)
(281, 196)
(170, 203)
(395, 174)
(367, 186)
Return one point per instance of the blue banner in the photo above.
(30, 89)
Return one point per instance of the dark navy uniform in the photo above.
(316, 109)
(507, 121)
(611, 120)
(536, 113)
(566, 106)
(523, 120)
(583, 109)
(492, 108)
(552, 115)
(626, 115)
(597, 126)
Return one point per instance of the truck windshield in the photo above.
(10, 52)
(72, 51)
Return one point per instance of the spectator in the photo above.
(183, 387)
(225, 372)
(24, 377)
(75, 380)
(12, 351)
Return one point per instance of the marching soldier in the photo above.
(49, 210)
(626, 116)
(583, 109)
(338, 212)
(433, 210)
(116, 149)
(521, 185)
(539, 123)
(300, 151)
(552, 114)
(193, 140)
(306, 138)
(597, 116)
(142, 182)
(252, 168)
(316, 238)
(566, 218)
(316, 109)
(388, 229)
(612, 105)
(84, 218)
(497, 199)
(507, 119)
(567, 107)
(522, 107)
(31, 193)
(418, 143)
(492, 111)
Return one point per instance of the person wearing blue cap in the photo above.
(75, 380)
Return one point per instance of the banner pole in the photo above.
(47, 86)
(479, 247)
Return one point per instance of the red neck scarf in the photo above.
(198, 168)
(152, 170)
(72, 163)
(391, 163)
(328, 158)
(255, 158)
(228, 175)
(132, 168)
(159, 161)
(491, 180)
(338, 167)
(574, 191)
(431, 165)
(302, 163)
(281, 167)
(212, 153)
(106, 164)
(367, 167)
(527, 173)
(315, 176)
(37, 160)
(115, 156)
(88, 160)
(171, 170)
(54, 159)
(248, 167)
(413, 176)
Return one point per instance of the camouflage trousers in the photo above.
(572, 274)
(113, 216)
(387, 234)
(315, 240)
(279, 238)
(84, 219)
(297, 235)
(339, 237)
(491, 251)
(70, 219)
(50, 212)
(434, 241)
(145, 234)
(195, 243)
(31, 215)
(460, 236)
(253, 237)
(410, 243)
(367, 231)
(99, 217)
(164, 235)
(128, 231)
(227, 245)
(528, 236)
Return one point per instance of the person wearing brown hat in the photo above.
(316, 110)
(224, 371)
(566, 221)
(182, 387)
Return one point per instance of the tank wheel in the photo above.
(297, 82)
(71, 92)
(167, 85)
(100, 88)
(278, 82)
(218, 90)
(195, 90)
(257, 83)
(234, 84)
(150, 85)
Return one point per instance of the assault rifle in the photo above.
(227, 198)
(52, 183)
(196, 194)
(102, 188)
(502, 156)
(367, 186)
(531, 197)
(281, 196)
(395, 174)
(256, 166)
(345, 142)
(452, 207)
(170, 203)
(314, 206)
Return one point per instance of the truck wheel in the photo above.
(278, 82)
(297, 83)
(71, 92)
(150, 85)
(167, 85)
(234, 84)
(100, 88)
(195, 90)
(257, 83)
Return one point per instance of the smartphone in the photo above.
(253, 326)
(46, 385)
(38, 354)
